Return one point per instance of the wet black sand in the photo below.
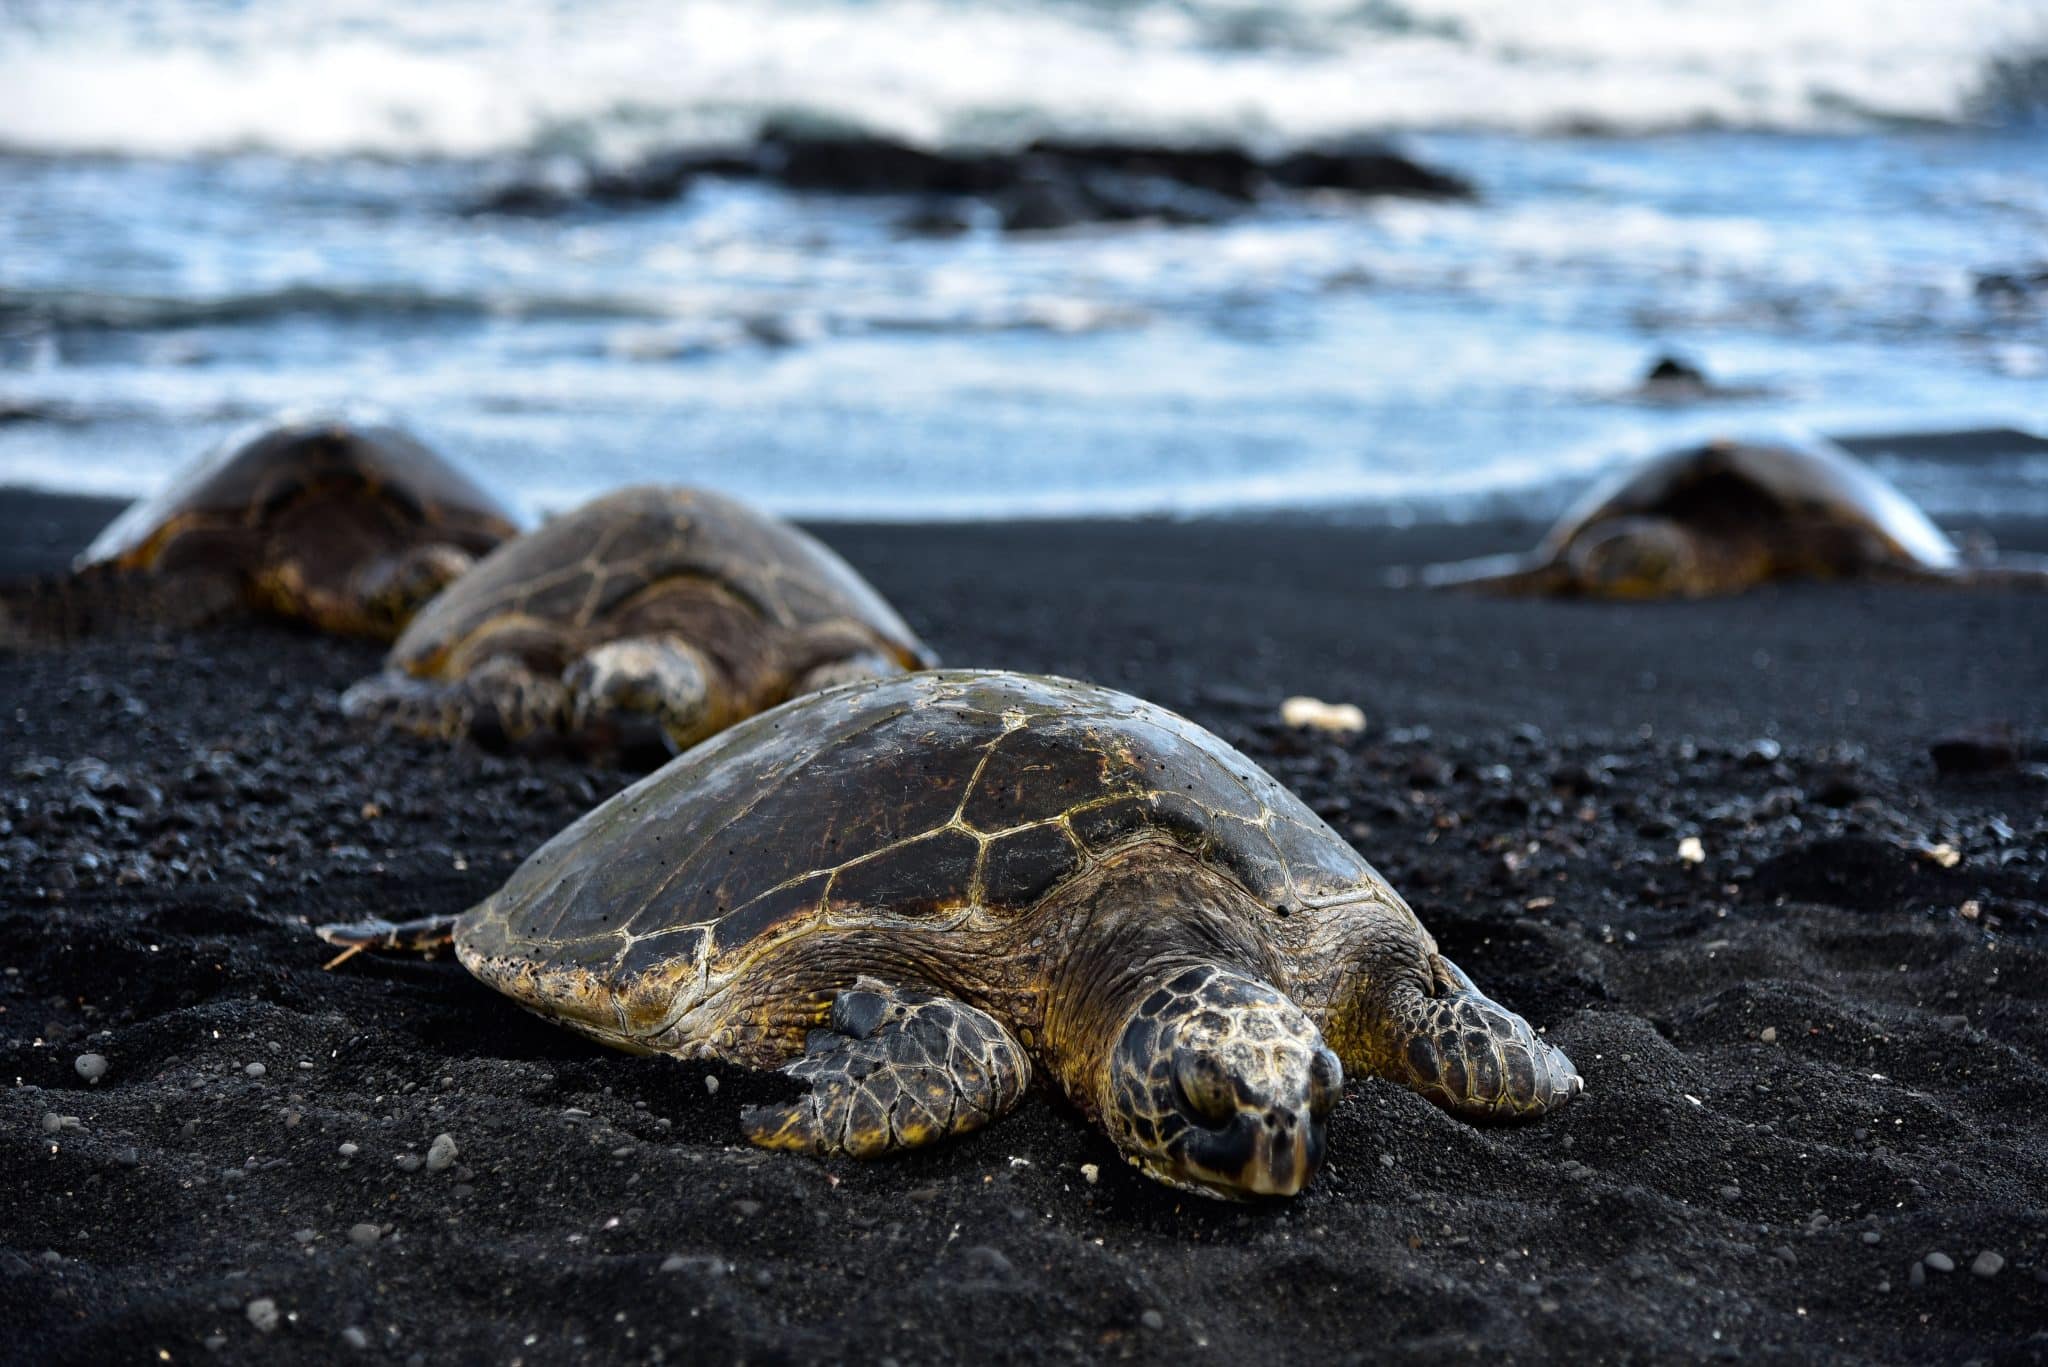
(1813, 1059)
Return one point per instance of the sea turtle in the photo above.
(642, 621)
(917, 894)
(346, 526)
(1724, 517)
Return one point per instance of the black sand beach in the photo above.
(1816, 1118)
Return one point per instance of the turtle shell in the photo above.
(216, 512)
(567, 575)
(941, 800)
(1812, 481)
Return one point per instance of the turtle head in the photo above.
(1634, 557)
(393, 587)
(1218, 1083)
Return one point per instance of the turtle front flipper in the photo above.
(894, 1070)
(500, 703)
(1475, 1058)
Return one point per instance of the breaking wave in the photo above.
(612, 77)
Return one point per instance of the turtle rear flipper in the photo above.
(429, 936)
(894, 1070)
(1527, 574)
(1468, 1054)
(500, 704)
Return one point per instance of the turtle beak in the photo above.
(1259, 1153)
(1255, 1141)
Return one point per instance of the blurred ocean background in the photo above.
(211, 211)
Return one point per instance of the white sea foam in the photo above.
(468, 77)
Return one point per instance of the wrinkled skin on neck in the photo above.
(1164, 1027)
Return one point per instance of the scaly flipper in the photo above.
(1507, 574)
(1470, 1055)
(429, 935)
(894, 1070)
(500, 702)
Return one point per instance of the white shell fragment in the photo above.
(1314, 713)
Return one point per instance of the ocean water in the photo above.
(213, 211)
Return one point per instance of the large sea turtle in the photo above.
(642, 621)
(347, 526)
(917, 894)
(1727, 516)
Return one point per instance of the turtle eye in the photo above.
(1205, 1087)
(1325, 1083)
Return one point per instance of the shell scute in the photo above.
(1102, 826)
(649, 952)
(916, 877)
(1038, 771)
(1023, 865)
(781, 905)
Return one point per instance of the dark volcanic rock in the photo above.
(1672, 370)
(869, 164)
(2014, 289)
(1984, 750)
(1050, 183)
(1228, 171)
(1367, 169)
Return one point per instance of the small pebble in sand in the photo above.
(355, 1338)
(1939, 1262)
(1318, 715)
(256, 1070)
(306, 1236)
(262, 1313)
(1769, 1034)
(1989, 1263)
(1731, 1192)
(711, 1085)
(349, 1149)
(1871, 1236)
(408, 1162)
(441, 1153)
(1090, 1173)
(91, 1067)
(57, 1124)
(363, 1235)
(1691, 851)
(1153, 1320)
